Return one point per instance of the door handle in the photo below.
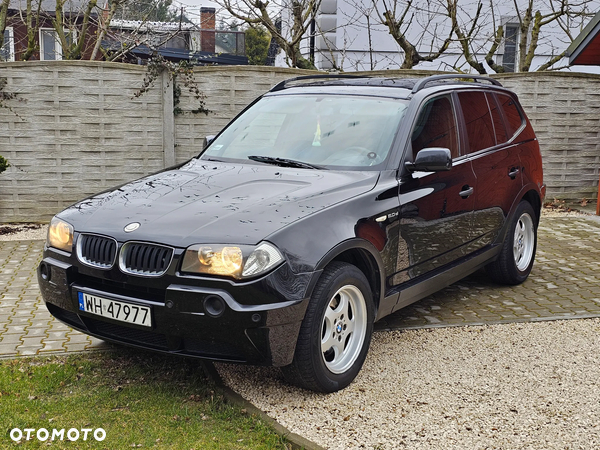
(513, 172)
(466, 191)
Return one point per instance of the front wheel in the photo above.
(518, 250)
(336, 332)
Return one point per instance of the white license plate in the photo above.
(113, 309)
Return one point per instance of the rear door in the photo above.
(495, 161)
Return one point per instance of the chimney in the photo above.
(105, 11)
(207, 29)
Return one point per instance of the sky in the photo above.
(195, 3)
(192, 7)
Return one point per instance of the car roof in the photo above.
(402, 88)
(344, 89)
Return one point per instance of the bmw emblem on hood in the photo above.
(131, 227)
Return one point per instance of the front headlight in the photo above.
(60, 235)
(231, 261)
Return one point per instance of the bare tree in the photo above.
(3, 16)
(467, 33)
(301, 13)
(401, 16)
(31, 21)
(532, 18)
(73, 40)
(104, 25)
(336, 54)
(69, 25)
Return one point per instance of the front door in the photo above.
(436, 208)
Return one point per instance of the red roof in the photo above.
(585, 49)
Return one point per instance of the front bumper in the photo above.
(258, 324)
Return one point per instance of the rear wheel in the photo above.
(518, 250)
(336, 332)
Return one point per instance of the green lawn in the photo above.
(141, 400)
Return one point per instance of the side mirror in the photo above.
(434, 159)
(207, 141)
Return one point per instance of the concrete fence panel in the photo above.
(564, 110)
(228, 91)
(76, 128)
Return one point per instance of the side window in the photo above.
(50, 48)
(50, 45)
(499, 128)
(478, 120)
(436, 126)
(511, 113)
(7, 51)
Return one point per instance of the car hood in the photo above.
(214, 202)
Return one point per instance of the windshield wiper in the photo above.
(211, 159)
(284, 162)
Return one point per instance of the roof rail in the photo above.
(423, 82)
(282, 85)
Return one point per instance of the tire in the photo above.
(516, 258)
(336, 331)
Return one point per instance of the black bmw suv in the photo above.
(327, 204)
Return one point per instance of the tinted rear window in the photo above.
(499, 127)
(511, 113)
(478, 120)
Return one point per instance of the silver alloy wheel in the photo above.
(343, 329)
(524, 241)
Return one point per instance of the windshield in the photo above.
(327, 131)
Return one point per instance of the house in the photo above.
(128, 40)
(46, 38)
(348, 35)
(585, 49)
(197, 42)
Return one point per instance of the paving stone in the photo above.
(77, 338)
(41, 323)
(565, 283)
(6, 339)
(15, 329)
(97, 343)
(76, 347)
(35, 332)
(9, 348)
(32, 341)
(53, 346)
(56, 335)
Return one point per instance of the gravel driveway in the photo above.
(498, 386)
(510, 386)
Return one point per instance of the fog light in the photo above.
(45, 271)
(214, 306)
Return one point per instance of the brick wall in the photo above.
(80, 131)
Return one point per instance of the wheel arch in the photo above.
(530, 195)
(365, 257)
(533, 197)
